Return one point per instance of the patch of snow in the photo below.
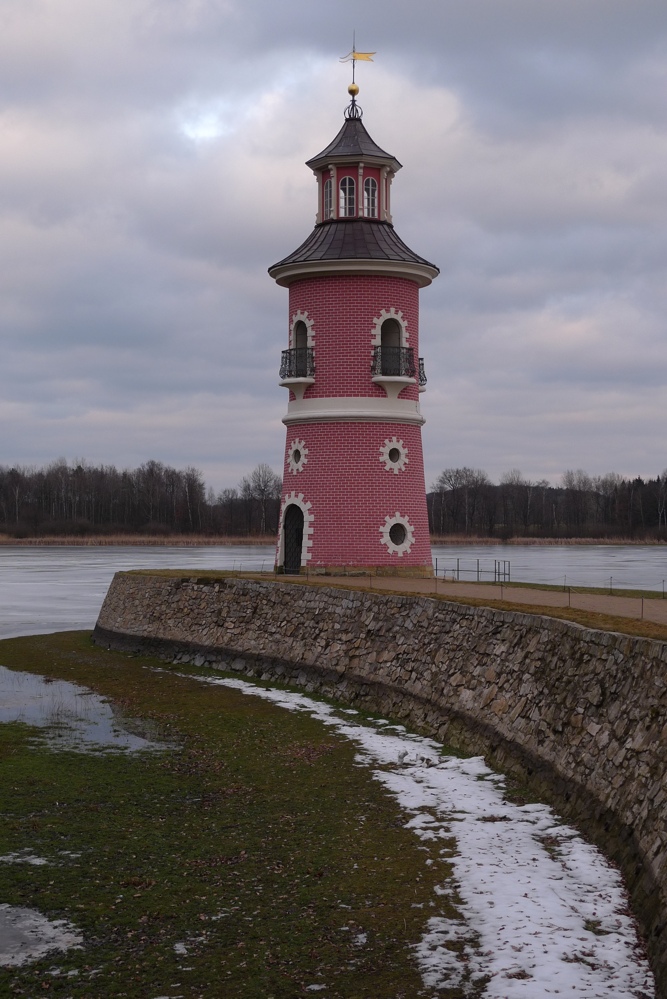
(23, 857)
(538, 917)
(26, 935)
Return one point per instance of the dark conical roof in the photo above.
(353, 141)
(354, 239)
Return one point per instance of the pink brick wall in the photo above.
(343, 309)
(344, 486)
(351, 492)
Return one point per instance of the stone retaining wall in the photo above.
(580, 714)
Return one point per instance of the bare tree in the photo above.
(460, 490)
(578, 487)
(264, 485)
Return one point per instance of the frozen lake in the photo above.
(61, 588)
(57, 588)
(630, 567)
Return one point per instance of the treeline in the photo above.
(154, 499)
(465, 501)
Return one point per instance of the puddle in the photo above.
(26, 935)
(73, 716)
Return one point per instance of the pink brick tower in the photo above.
(353, 485)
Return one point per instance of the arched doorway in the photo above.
(293, 538)
(390, 340)
(300, 349)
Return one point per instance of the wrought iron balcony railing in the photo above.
(422, 373)
(297, 363)
(394, 362)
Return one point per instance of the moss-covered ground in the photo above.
(252, 861)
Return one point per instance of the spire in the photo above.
(353, 110)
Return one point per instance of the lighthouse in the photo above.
(354, 497)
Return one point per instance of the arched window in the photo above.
(300, 334)
(390, 333)
(390, 341)
(370, 198)
(346, 198)
(300, 349)
(328, 198)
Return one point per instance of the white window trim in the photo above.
(345, 199)
(392, 313)
(301, 317)
(368, 215)
(405, 547)
(394, 466)
(328, 185)
(293, 465)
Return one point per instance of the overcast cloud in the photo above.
(152, 168)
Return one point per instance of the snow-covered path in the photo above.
(543, 912)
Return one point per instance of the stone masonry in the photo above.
(580, 715)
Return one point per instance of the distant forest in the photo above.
(154, 499)
(465, 501)
(65, 499)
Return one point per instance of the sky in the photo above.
(152, 169)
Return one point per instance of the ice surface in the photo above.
(61, 587)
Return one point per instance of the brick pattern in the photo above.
(352, 492)
(343, 309)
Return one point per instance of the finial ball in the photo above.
(353, 90)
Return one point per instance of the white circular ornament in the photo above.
(297, 456)
(394, 455)
(398, 534)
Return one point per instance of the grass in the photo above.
(594, 590)
(257, 848)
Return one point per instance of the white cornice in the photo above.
(359, 409)
(422, 274)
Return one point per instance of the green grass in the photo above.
(258, 843)
(600, 591)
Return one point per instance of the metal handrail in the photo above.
(394, 362)
(298, 362)
(422, 373)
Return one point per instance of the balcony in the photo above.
(394, 362)
(393, 368)
(422, 375)
(297, 369)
